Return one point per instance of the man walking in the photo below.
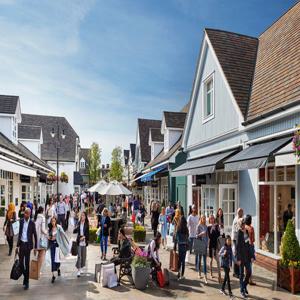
(61, 212)
(25, 244)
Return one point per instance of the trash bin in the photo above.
(115, 226)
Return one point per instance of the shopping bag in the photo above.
(16, 227)
(43, 242)
(57, 255)
(160, 278)
(112, 280)
(74, 249)
(34, 270)
(174, 261)
(170, 243)
(187, 256)
(200, 247)
(166, 276)
(97, 272)
(48, 258)
(16, 271)
(106, 271)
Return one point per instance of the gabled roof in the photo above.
(29, 132)
(8, 104)
(162, 156)
(67, 150)
(156, 135)
(132, 150)
(276, 81)
(144, 126)
(21, 150)
(236, 54)
(174, 119)
(126, 156)
(84, 153)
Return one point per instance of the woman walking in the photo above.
(202, 235)
(41, 232)
(164, 226)
(104, 226)
(10, 218)
(213, 235)
(22, 210)
(82, 240)
(154, 217)
(250, 231)
(50, 211)
(182, 240)
(57, 241)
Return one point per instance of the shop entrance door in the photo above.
(209, 202)
(228, 203)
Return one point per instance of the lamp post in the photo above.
(59, 135)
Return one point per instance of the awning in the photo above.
(149, 176)
(203, 165)
(255, 156)
(9, 165)
(286, 156)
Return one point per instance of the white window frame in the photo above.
(82, 164)
(205, 118)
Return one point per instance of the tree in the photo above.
(116, 168)
(94, 163)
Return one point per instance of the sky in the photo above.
(103, 64)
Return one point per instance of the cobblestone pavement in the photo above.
(70, 287)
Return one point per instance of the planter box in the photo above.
(289, 279)
(139, 236)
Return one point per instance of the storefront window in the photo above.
(280, 174)
(10, 191)
(209, 201)
(270, 174)
(2, 200)
(26, 192)
(290, 173)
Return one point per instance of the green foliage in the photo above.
(94, 163)
(116, 168)
(290, 249)
(139, 233)
(93, 236)
(140, 262)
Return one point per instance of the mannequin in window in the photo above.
(287, 215)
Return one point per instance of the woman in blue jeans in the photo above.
(104, 225)
(182, 240)
(203, 235)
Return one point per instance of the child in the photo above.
(226, 261)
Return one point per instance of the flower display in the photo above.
(296, 143)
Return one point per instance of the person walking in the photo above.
(61, 212)
(25, 244)
(226, 261)
(154, 217)
(143, 213)
(202, 235)
(213, 235)
(163, 226)
(192, 222)
(10, 218)
(50, 210)
(104, 226)
(234, 235)
(244, 257)
(82, 230)
(41, 233)
(68, 210)
(58, 241)
(250, 232)
(182, 240)
(22, 210)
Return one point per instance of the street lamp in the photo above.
(59, 135)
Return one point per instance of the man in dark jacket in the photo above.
(25, 244)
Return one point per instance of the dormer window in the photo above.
(14, 128)
(208, 99)
(82, 164)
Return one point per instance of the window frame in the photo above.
(205, 82)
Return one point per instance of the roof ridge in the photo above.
(50, 116)
(174, 112)
(231, 32)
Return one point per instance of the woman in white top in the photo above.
(153, 248)
(41, 233)
(50, 211)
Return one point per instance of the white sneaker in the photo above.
(78, 274)
(81, 271)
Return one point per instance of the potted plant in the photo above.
(51, 177)
(64, 177)
(288, 275)
(139, 233)
(140, 270)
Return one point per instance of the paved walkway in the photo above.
(70, 287)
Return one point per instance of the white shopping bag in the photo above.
(187, 256)
(48, 258)
(106, 271)
(16, 227)
(170, 243)
(57, 255)
(112, 280)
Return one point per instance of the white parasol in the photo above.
(115, 188)
(98, 187)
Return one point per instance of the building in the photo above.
(65, 150)
(84, 166)
(22, 173)
(238, 135)
(104, 171)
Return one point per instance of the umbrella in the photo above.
(98, 187)
(115, 188)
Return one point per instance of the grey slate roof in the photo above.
(174, 119)
(156, 135)
(21, 150)
(29, 132)
(132, 150)
(143, 127)
(8, 104)
(67, 149)
(126, 156)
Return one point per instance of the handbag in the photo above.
(200, 247)
(16, 227)
(43, 242)
(74, 248)
(16, 271)
(161, 278)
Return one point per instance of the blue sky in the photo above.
(102, 64)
